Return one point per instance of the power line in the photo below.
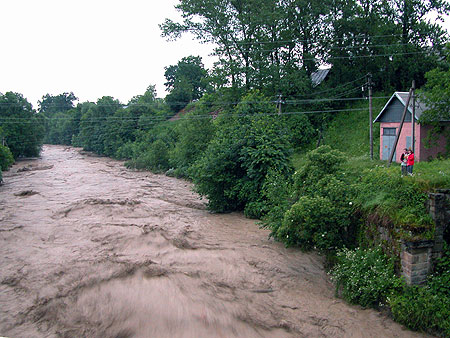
(209, 116)
(347, 38)
(110, 118)
(361, 46)
(350, 57)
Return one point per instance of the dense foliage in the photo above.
(232, 130)
(271, 45)
(22, 129)
(365, 277)
(436, 92)
(6, 158)
(248, 143)
(186, 81)
(321, 213)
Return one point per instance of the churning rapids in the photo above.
(92, 249)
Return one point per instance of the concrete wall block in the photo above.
(419, 271)
(406, 270)
(406, 258)
(420, 258)
(418, 280)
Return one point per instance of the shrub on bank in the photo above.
(427, 307)
(6, 158)
(318, 213)
(247, 145)
(365, 276)
(423, 308)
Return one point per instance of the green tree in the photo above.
(195, 131)
(436, 93)
(23, 129)
(57, 103)
(232, 25)
(186, 81)
(120, 129)
(392, 39)
(275, 45)
(245, 148)
(6, 158)
(93, 123)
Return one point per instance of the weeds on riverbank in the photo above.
(366, 277)
(335, 204)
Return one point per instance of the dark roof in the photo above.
(403, 97)
(318, 76)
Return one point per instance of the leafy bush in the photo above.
(277, 192)
(22, 128)
(234, 166)
(195, 131)
(299, 128)
(313, 222)
(6, 158)
(155, 158)
(319, 163)
(321, 213)
(422, 308)
(427, 307)
(126, 151)
(365, 277)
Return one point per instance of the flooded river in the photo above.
(91, 249)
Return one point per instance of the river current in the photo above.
(91, 249)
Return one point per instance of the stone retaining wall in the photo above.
(417, 257)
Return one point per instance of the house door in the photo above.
(388, 143)
(408, 142)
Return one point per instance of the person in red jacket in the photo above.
(410, 162)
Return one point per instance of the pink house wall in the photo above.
(437, 148)
(421, 132)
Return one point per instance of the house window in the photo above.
(389, 131)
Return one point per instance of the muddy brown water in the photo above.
(91, 249)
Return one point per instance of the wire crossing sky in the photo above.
(93, 48)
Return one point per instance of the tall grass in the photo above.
(349, 131)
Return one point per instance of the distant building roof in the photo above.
(403, 97)
(318, 76)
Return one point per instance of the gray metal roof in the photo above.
(403, 97)
(318, 76)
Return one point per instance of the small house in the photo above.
(319, 76)
(390, 118)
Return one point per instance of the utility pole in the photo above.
(413, 117)
(369, 84)
(279, 102)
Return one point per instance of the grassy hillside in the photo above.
(348, 132)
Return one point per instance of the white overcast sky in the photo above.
(90, 47)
